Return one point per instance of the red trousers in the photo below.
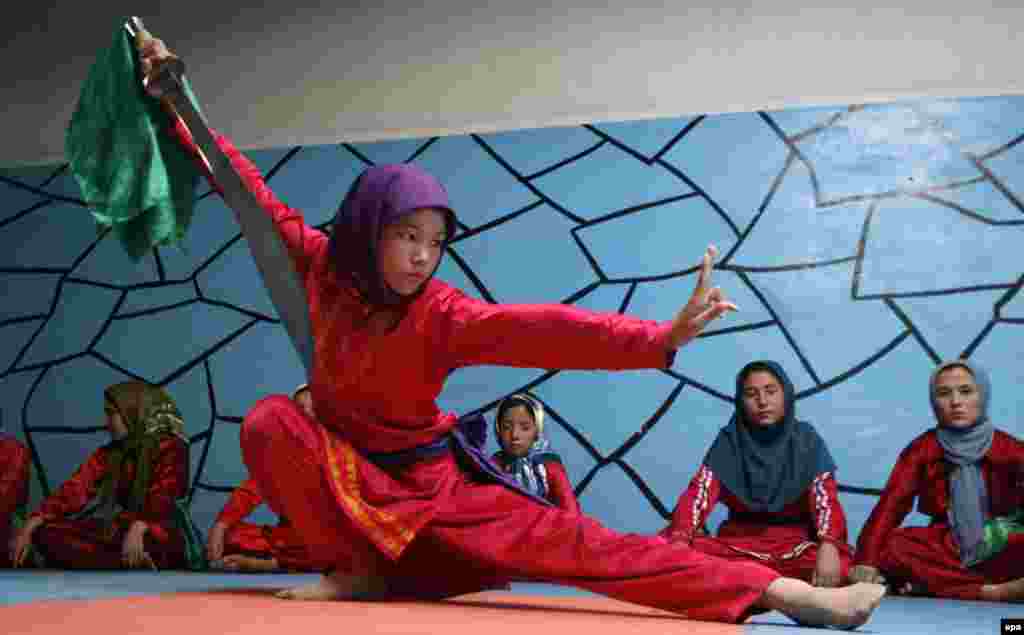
(7, 533)
(262, 541)
(84, 544)
(929, 558)
(791, 558)
(485, 534)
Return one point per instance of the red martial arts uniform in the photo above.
(928, 557)
(87, 543)
(260, 541)
(410, 523)
(786, 541)
(560, 491)
(15, 469)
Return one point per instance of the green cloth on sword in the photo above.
(135, 179)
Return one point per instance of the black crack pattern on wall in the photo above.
(40, 198)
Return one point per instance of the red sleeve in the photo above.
(695, 503)
(895, 503)
(16, 461)
(560, 490)
(303, 241)
(1005, 460)
(244, 499)
(829, 518)
(1016, 451)
(549, 336)
(168, 482)
(76, 492)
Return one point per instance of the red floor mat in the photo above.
(257, 612)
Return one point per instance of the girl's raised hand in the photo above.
(705, 304)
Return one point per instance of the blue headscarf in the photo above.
(529, 470)
(964, 448)
(768, 468)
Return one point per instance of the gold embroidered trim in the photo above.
(384, 528)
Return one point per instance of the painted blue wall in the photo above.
(861, 244)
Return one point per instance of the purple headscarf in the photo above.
(380, 196)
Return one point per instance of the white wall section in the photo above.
(283, 75)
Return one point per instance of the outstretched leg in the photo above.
(492, 526)
(844, 607)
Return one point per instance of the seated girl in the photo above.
(15, 467)
(236, 545)
(143, 470)
(969, 478)
(304, 398)
(777, 478)
(525, 452)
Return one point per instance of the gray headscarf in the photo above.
(964, 448)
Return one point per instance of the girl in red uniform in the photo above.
(969, 478)
(236, 545)
(777, 477)
(402, 494)
(15, 469)
(526, 455)
(144, 470)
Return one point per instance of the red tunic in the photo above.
(15, 469)
(85, 544)
(260, 541)
(560, 491)
(928, 556)
(410, 523)
(786, 541)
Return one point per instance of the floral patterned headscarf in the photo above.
(150, 415)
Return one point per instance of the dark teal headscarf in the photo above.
(768, 468)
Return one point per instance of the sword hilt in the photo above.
(166, 75)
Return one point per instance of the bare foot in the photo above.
(1012, 591)
(335, 586)
(247, 564)
(846, 607)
